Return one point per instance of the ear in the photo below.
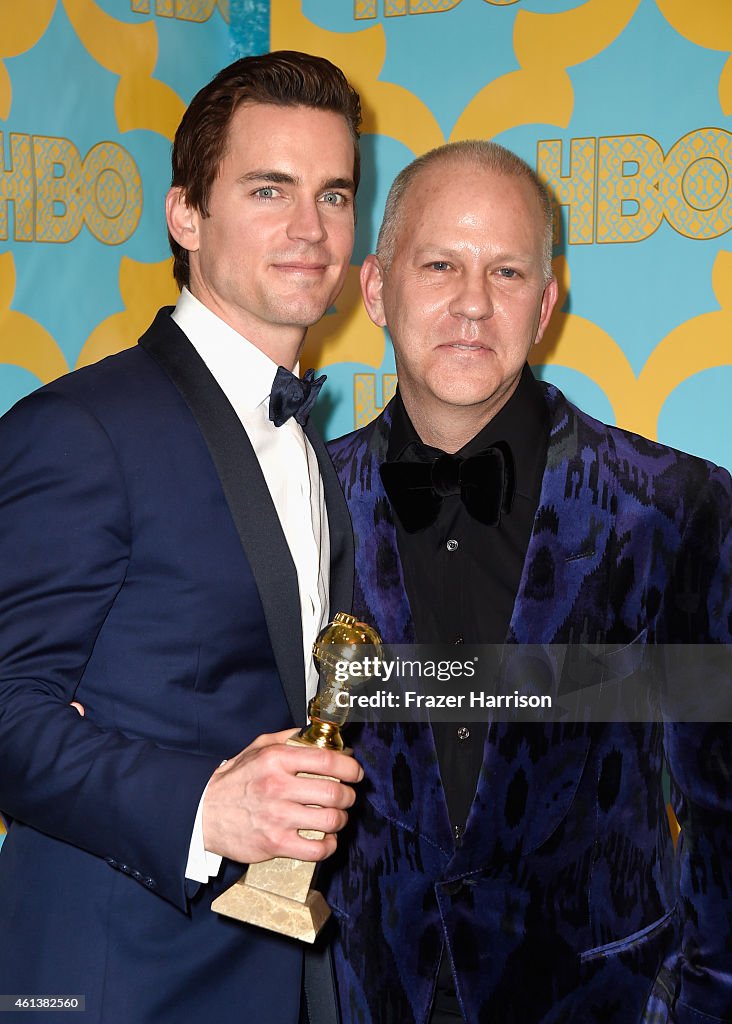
(548, 302)
(182, 219)
(372, 285)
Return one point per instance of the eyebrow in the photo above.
(438, 252)
(282, 178)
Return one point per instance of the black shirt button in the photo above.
(459, 640)
(452, 544)
(463, 733)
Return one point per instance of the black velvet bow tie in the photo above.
(291, 396)
(485, 482)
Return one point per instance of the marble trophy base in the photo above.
(277, 894)
(300, 916)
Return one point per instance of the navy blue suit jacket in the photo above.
(144, 574)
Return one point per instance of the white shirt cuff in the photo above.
(201, 865)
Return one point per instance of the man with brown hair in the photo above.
(172, 538)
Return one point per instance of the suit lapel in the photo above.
(568, 560)
(380, 595)
(339, 529)
(247, 496)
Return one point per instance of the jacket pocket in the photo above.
(651, 931)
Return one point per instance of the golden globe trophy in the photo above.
(277, 894)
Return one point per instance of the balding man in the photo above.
(519, 874)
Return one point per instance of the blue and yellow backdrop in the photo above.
(624, 107)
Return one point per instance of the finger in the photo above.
(323, 820)
(299, 848)
(318, 821)
(321, 792)
(275, 760)
(79, 707)
(306, 809)
(315, 761)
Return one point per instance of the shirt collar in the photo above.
(523, 423)
(242, 370)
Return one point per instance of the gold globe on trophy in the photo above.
(277, 894)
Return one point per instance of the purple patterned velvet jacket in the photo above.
(566, 900)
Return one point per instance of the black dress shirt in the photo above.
(462, 578)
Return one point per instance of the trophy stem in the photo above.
(320, 734)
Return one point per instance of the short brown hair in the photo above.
(482, 153)
(285, 78)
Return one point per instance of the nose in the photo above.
(306, 222)
(472, 298)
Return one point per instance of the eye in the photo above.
(438, 265)
(507, 272)
(266, 192)
(334, 199)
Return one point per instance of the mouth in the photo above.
(465, 346)
(298, 267)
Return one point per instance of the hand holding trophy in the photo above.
(277, 893)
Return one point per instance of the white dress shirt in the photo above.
(290, 468)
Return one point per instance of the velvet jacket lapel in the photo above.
(251, 505)
(572, 535)
(380, 597)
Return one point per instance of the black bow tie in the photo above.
(485, 482)
(291, 396)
